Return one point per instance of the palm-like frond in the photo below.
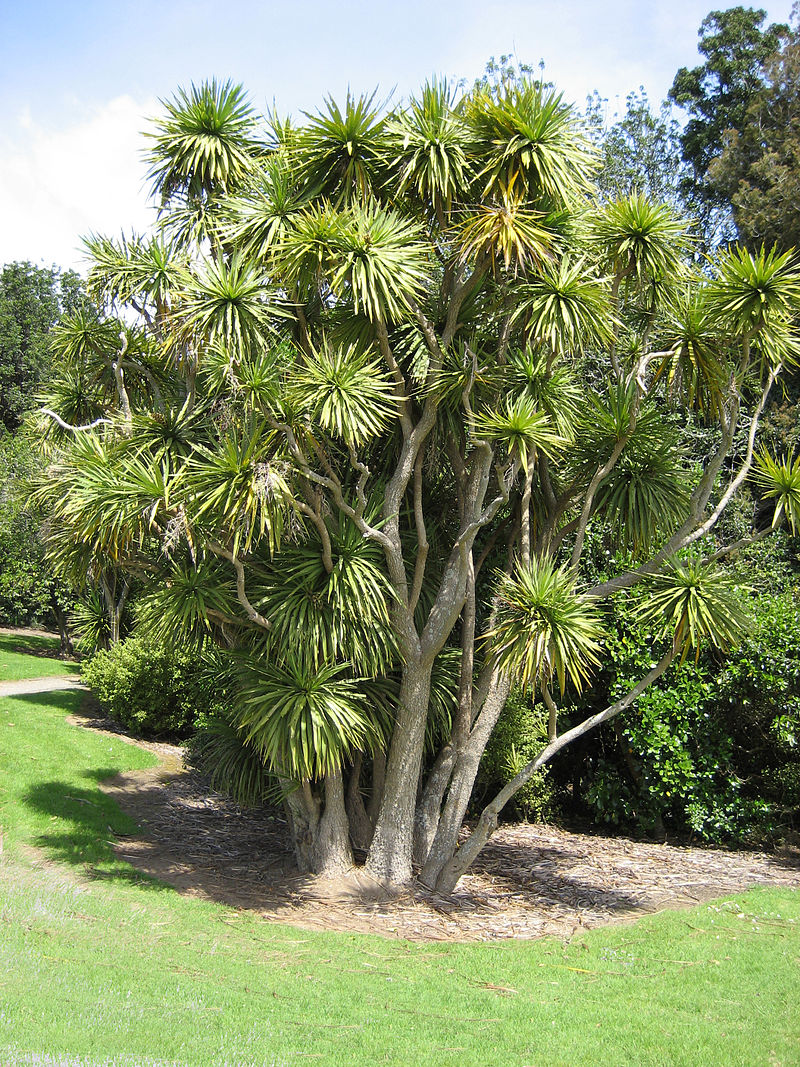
(332, 617)
(552, 388)
(142, 272)
(530, 139)
(640, 240)
(83, 338)
(753, 290)
(345, 394)
(564, 307)
(506, 230)
(520, 427)
(260, 219)
(341, 152)
(304, 720)
(692, 603)
(233, 764)
(694, 367)
(543, 628)
(645, 494)
(371, 256)
(432, 146)
(189, 600)
(205, 142)
(238, 489)
(108, 500)
(779, 480)
(229, 303)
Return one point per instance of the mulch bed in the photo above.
(530, 880)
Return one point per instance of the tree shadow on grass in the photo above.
(31, 645)
(93, 820)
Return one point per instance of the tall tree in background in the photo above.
(639, 151)
(31, 302)
(758, 169)
(716, 96)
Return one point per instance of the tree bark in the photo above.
(446, 840)
(390, 855)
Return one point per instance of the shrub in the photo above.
(154, 690)
(520, 734)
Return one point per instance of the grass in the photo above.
(29, 656)
(99, 965)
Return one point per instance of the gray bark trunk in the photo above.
(390, 855)
(445, 841)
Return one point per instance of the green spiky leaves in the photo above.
(543, 628)
(521, 428)
(779, 480)
(345, 393)
(693, 603)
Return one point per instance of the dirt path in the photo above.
(40, 685)
(530, 880)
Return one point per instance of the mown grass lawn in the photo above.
(99, 965)
(31, 656)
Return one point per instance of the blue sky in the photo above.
(79, 78)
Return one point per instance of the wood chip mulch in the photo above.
(530, 880)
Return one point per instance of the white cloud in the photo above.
(57, 185)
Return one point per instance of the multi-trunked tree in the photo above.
(349, 413)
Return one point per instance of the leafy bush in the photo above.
(712, 749)
(518, 737)
(154, 690)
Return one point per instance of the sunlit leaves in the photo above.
(520, 427)
(753, 290)
(345, 394)
(694, 366)
(340, 152)
(692, 603)
(139, 271)
(543, 628)
(371, 256)
(779, 480)
(239, 490)
(564, 307)
(335, 616)
(506, 230)
(189, 601)
(640, 240)
(530, 140)
(304, 720)
(226, 302)
(433, 147)
(261, 220)
(204, 143)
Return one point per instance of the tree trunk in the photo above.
(464, 855)
(62, 623)
(390, 854)
(360, 824)
(331, 849)
(319, 834)
(466, 770)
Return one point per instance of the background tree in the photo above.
(736, 45)
(758, 169)
(639, 150)
(31, 302)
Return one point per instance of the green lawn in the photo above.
(99, 965)
(31, 657)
